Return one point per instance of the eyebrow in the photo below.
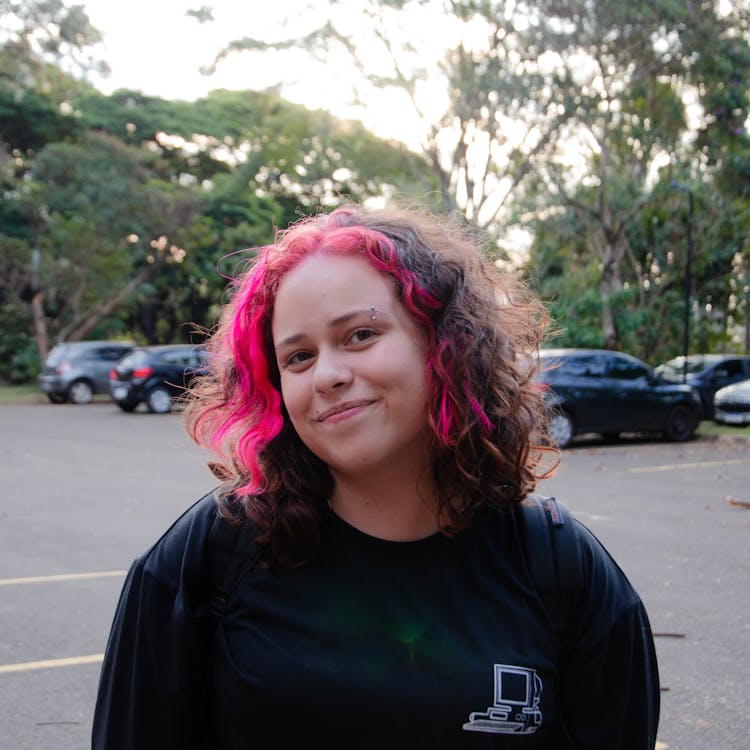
(333, 323)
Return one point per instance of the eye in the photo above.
(298, 359)
(361, 335)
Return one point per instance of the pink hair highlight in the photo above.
(255, 404)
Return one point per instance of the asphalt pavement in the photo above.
(87, 488)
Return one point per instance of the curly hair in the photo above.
(486, 414)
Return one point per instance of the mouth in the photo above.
(348, 406)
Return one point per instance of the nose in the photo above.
(331, 371)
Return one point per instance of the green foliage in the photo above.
(569, 105)
(19, 357)
(37, 33)
(136, 205)
(31, 121)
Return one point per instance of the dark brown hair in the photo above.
(485, 410)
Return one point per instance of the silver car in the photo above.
(77, 370)
(732, 404)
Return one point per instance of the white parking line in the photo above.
(63, 577)
(695, 465)
(47, 663)
(70, 661)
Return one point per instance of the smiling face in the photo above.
(352, 366)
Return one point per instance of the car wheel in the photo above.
(127, 406)
(80, 392)
(561, 428)
(681, 423)
(57, 398)
(159, 401)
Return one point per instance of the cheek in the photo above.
(414, 381)
(292, 394)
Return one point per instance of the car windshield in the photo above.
(676, 366)
(133, 360)
(56, 354)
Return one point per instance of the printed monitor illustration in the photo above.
(516, 709)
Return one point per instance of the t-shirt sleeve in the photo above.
(609, 681)
(153, 683)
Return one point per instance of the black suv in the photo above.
(155, 375)
(707, 373)
(75, 371)
(607, 392)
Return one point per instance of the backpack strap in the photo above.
(232, 552)
(553, 557)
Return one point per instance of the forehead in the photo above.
(326, 278)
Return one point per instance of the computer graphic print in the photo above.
(516, 704)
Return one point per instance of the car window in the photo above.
(108, 353)
(178, 357)
(199, 358)
(626, 369)
(135, 359)
(86, 353)
(587, 365)
(56, 354)
(731, 368)
(676, 367)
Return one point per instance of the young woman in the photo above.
(374, 418)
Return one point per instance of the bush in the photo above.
(19, 356)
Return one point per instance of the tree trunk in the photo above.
(610, 286)
(101, 312)
(40, 324)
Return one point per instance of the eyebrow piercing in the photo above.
(373, 314)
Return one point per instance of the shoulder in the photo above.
(600, 570)
(180, 552)
(581, 558)
(605, 595)
(571, 567)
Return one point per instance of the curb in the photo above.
(724, 438)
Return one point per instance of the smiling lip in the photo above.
(341, 408)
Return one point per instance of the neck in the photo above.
(397, 511)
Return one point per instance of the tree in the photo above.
(96, 219)
(546, 96)
(130, 204)
(41, 36)
(250, 162)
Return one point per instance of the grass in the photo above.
(707, 428)
(28, 393)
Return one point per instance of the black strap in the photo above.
(232, 552)
(553, 556)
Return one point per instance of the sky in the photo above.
(152, 46)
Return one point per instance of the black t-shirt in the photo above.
(437, 643)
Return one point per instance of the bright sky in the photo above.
(153, 47)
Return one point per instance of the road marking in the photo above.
(696, 465)
(63, 577)
(71, 661)
(661, 746)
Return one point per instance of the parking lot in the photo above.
(86, 488)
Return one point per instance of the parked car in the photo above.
(75, 371)
(707, 373)
(732, 404)
(607, 392)
(155, 375)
